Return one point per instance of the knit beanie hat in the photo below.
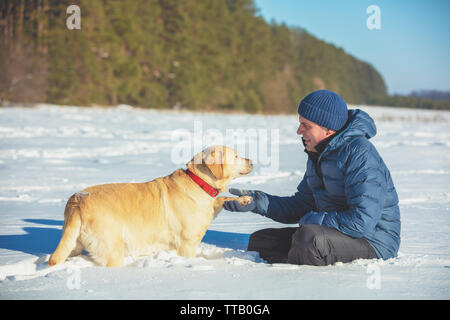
(325, 108)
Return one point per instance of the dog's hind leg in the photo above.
(78, 249)
(116, 254)
(103, 252)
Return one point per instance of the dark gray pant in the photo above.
(310, 244)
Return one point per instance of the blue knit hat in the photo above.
(325, 108)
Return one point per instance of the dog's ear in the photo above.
(196, 160)
(214, 160)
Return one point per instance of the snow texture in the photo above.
(49, 152)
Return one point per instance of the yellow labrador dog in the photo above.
(112, 221)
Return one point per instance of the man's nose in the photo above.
(300, 130)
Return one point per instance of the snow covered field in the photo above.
(48, 153)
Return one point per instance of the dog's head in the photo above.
(218, 165)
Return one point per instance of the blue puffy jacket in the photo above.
(352, 193)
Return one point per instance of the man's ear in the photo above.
(214, 162)
(330, 132)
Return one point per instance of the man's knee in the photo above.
(272, 244)
(309, 246)
(257, 238)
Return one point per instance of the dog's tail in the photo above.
(71, 230)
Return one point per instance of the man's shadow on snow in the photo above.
(37, 240)
(41, 240)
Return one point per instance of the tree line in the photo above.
(397, 100)
(195, 55)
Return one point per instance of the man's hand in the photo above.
(247, 205)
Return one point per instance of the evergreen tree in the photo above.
(198, 55)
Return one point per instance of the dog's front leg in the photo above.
(218, 204)
(187, 249)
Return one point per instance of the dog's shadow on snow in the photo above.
(44, 240)
(237, 241)
(36, 240)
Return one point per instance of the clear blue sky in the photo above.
(411, 51)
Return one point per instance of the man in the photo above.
(346, 204)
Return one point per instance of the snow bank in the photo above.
(49, 152)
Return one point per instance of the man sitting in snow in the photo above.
(346, 204)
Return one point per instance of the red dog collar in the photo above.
(209, 190)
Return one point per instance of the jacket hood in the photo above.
(359, 124)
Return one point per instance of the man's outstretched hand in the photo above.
(234, 205)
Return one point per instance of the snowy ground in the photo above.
(47, 153)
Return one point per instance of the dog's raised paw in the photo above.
(244, 200)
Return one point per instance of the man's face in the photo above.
(312, 133)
